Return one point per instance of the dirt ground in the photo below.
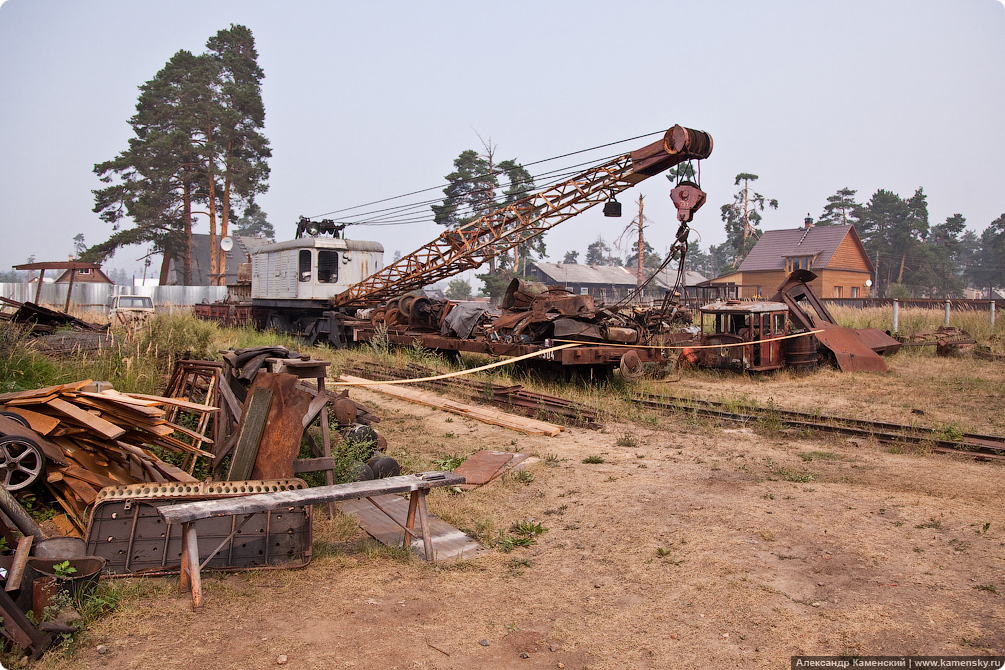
(691, 545)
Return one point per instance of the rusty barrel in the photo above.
(800, 353)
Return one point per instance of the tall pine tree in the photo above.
(197, 142)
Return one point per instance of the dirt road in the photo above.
(690, 545)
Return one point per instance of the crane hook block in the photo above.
(687, 198)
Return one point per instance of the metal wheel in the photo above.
(21, 462)
(14, 416)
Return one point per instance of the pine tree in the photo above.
(196, 142)
(841, 209)
(743, 216)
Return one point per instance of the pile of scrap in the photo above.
(42, 320)
(90, 436)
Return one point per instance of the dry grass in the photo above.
(914, 320)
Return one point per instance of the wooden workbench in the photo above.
(187, 514)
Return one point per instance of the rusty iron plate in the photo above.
(126, 530)
(850, 351)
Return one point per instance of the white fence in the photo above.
(95, 296)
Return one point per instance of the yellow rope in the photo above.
(567, 344)
(466, 372)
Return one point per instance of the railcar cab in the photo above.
(747, 334)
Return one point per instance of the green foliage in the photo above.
(179, 336)
(380, 343)
(197, 146)
(522, 476)
(21, 367)
(458, 289)
(743, 216)
(521, 534)
(593, 459)
(64, 569)
(448, 461)
(627, 440)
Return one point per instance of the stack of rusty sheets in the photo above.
(93, 436)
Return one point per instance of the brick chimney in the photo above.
(808, 221)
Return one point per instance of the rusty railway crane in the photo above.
(313, 286)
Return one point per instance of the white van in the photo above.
(125, 308)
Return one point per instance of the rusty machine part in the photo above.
(630, 366)
(853, 350)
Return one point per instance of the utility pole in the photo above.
(642, 247)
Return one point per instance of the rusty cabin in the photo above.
(747, 333)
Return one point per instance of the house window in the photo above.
(854, 291)
(327, 267)
(305, 265)
(84, 271)
(798, 263)
(838, 290)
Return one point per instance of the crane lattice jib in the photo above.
(467, 247)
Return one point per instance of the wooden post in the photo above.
(642, 245)
(413, 503)
(992, 311)
(946, 322)
(427, 541)
(38, 289)
(191, 579)
(896, 315)
(69, 290)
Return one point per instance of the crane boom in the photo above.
(467, 247)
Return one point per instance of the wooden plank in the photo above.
(17, 402)
(255, 414)
(109, 398)
(43, 424)
(97, 424)
(448, 542)
(87, 475)
(16, 571)
(313, 464)
(261, 502)
(176, 402)
(483, 414)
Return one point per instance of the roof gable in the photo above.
(775, 246)
(579, 273)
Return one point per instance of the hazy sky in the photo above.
(370, 100)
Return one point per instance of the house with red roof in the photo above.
(834, 253)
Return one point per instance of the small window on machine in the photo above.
(304, 267)
(327, 267)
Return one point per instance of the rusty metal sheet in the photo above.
(482, 467)
(284, 428)
(850, 351)
(565, 327)
(879, 341)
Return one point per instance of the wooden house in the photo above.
(834, 253)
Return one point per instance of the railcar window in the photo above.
(327, 267)
(305, 265)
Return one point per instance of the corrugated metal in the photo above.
(95, 296)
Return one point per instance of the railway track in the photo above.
(988, 447)
(981, 447)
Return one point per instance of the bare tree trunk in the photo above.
(187, 215)
(225, 214)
